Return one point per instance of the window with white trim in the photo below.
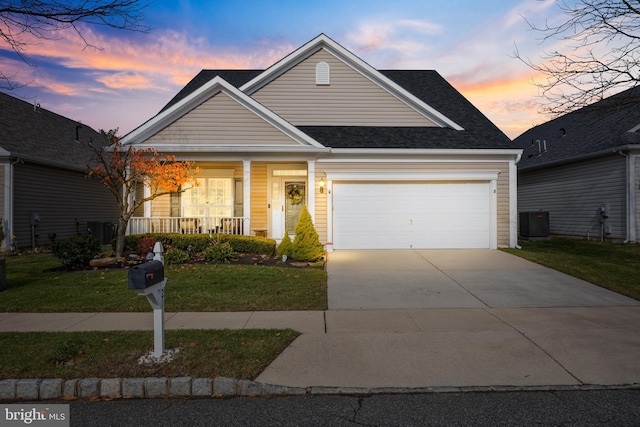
(213, 196)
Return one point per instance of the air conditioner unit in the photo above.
(534, 225)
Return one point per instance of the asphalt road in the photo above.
(565, 408)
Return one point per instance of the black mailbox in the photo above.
(144, 275)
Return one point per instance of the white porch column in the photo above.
(246, 196)
(146, 192)
(311, 192)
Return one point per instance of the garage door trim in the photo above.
(435, 176)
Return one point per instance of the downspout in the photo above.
(9, 210)
(630, 205)
(514, 189)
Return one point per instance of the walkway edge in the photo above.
(188, 387)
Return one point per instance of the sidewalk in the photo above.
(471, 347)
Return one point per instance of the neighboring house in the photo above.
(584, 170)
(382, 159)
(43, 190)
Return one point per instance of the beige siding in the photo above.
(502, 187)
(320, 217)
(220, 120)
(259, 200)
(350, 100)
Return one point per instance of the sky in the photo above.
(131, 75)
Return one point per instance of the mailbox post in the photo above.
(148, 279)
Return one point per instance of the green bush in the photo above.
(306, 245)
(175, 256)
(218, 251)
(198, 242)
(285, 246)
(76, 251)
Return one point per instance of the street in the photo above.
(566, 408)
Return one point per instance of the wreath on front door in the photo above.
(295, 195)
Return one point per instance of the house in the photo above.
(44, 194)
(383, 159)
(583, 168)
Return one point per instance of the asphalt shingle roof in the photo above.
(602, 126)
(427, 85)
(38, 134)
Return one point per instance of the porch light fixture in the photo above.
(322, 184)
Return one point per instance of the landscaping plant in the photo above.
(76, 251)
(176, 256)
(306, 245)
(285, 246)
(219, 250)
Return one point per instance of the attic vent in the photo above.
(323, 74)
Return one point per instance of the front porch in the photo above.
(191, 225)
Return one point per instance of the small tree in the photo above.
(285, 246)
(306, 245)
(121, 168)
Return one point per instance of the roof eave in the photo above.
(587, 156)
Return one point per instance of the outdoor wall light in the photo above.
(322, 184)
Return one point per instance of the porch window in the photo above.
(216, 194)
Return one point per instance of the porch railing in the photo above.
(188, 225)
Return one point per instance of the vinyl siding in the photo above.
(2, 195)
(350, 100)
(60, 197)
(220, 120)
(259, 200)
(636, 185)
(573, 193)
(502, 226)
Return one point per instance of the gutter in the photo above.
(627, 147)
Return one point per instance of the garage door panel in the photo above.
(411, 215)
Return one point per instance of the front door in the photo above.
(288, 196)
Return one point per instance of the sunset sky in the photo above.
(470, 42)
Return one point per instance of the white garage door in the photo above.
(411, 215)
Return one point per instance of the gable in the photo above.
(221, 120)
(350, 99)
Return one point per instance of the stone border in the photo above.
(141, 388)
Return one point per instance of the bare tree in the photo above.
(599, 56)
(22, 22)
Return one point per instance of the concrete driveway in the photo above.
(421, 279)
(462, 318)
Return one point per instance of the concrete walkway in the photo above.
(427, 319)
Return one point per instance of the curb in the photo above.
(188, 387)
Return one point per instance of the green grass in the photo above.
(609, 265)
(190, 287)
(241, 354)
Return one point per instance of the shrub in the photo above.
(306, 245)
(145, 245)
(76, 251)
(285, 246)
(176, 256)
(218, 251)
(198, 242)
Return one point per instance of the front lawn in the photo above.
(241, 354)
(190, 287)
(612, 266)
